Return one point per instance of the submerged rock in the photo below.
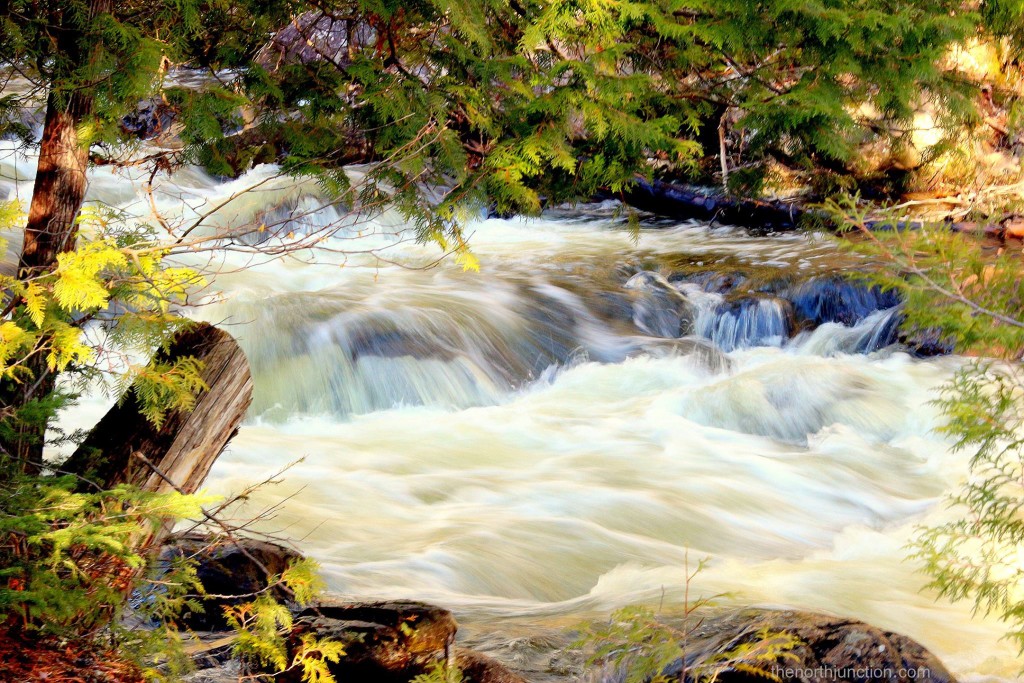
(831, 649)
(926, 343)
(659, 309)
(837, 300)
(749, 321)
(702, 351)
(790, 401)
(711, 281)
(724, 308)
(228, 672)
(479, 668)
(152, 118)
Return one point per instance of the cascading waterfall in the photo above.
(750, 322)
(407, 346)
(551, 438)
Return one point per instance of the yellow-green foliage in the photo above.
(162, 387)
(440, 672)
(264, 625)
(46, 315)
(755, 657)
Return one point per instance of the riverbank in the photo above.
(394, 642)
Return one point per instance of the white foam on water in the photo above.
(493, 443)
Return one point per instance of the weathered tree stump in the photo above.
(126, 448)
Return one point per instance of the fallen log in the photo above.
(677, 201)
(126, 448)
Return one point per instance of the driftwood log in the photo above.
(126, 448)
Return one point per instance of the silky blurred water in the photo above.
(517, 445)
(513, 465)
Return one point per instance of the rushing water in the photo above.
(531, 445)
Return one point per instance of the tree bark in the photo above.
(126, 448)
(57, 196)
(59, 188)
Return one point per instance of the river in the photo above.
(524, 446)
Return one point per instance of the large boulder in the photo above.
(231, 573)
(393, 642)
(385, 642)
(832, 649)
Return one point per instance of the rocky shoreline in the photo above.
(395, 641)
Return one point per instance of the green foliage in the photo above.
(979, 555)
(1005, 19)
(513, 105)
(66, 555)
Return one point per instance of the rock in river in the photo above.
(227, 569)
(832, 649)
(393, 642)
(659, 309)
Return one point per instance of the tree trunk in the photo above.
(59, 186)
(60, 177)
(57, 197)
(126, 448)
